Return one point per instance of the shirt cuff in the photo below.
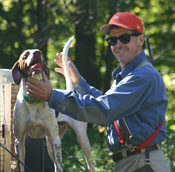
(82, 87)
(57, 97)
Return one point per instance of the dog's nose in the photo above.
(37, 53)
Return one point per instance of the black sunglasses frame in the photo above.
(125, 38)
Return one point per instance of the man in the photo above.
(133, 108)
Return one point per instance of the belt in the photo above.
(118, 156)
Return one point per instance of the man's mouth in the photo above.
(119, 51)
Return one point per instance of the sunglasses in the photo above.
(125, 38)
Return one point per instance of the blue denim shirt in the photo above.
(137, 94)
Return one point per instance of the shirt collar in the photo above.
(138, 59)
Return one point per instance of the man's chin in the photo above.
(122, 59)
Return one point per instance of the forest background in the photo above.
(48, 24)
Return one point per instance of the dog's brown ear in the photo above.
(16, 73)
(47, 71)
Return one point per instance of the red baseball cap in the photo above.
(125, 20)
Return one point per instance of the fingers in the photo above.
(59, 70)
(32, 86)
(31, 92)
(59, 55)
(41, 90)
(59, 64)
(74, 73)
(32, 82)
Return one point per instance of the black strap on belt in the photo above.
(118, 156)
(147, 167)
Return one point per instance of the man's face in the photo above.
(125, 53)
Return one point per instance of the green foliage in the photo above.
(73, 155)
(158, 18)
(168, 145)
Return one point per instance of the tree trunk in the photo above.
(41, 37)
(85, 32)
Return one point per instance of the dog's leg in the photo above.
(21, 152)
(56, 147)
(17, 153)
(63, 127)
(54, 143)
(49, 149)
(54, 150)
(83, 141)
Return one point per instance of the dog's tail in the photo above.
(69, 85)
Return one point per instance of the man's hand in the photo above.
(41, 90)
(73, 71)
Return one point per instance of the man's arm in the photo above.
(41, 90)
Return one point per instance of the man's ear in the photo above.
(141, 40)
(16, 73)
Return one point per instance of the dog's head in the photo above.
(30, 63)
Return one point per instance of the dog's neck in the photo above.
(38, 76)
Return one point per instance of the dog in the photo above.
(32, 117)
(64, 122)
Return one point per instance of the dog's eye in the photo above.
(24, 57)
